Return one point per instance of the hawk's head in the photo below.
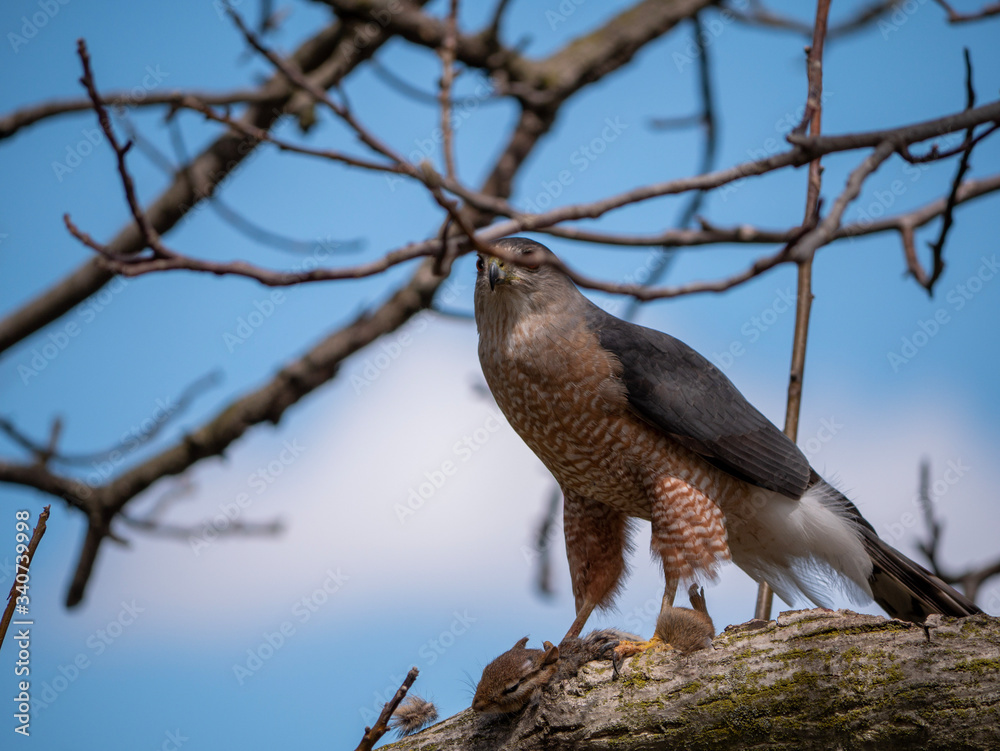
(520, 278)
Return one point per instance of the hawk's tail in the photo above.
(820, 545)
(906, 589)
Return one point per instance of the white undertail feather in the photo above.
(806, 548)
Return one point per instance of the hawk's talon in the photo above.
(615, 662)
(625, 649)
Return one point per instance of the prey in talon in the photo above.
(684, 629)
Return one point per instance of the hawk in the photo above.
(633, 423)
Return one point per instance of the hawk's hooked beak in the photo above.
(495, 273)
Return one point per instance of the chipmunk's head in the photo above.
(513, 678)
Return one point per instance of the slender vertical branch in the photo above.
(447, 53)
(803, 300)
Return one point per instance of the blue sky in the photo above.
(171, 639)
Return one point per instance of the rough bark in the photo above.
(812, 679)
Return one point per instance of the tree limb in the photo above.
(812, 679)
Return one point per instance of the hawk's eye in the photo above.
(480, 263)
(529, 259)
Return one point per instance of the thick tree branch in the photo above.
(75, 493)
(812, 679)
(539, 84)
(266, 404)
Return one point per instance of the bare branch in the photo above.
(328, 56)
(493, 30)
(972, 579)
(28, 556)
(758, 15)
(296, 77)
(235, 528)
(374, 733)
(743, 234)
(44, 454)
(447, 55)
(902, 136)
(827, 228)
(416, 94)
(22, 118)
(991, 9)
(151, 237)
(37, 476)
(934, 154)
(663, 262)
(937, 247)
(676, 238)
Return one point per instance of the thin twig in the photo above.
(150, 235)
(663, 262)
(937, 247)
(992, 9)
(233, 218)
(934, 155)
(827, 228)
(758, 15)
(181, 532)
(134, 440)
(296, 77)
(970, 190)
(416, 94)
(971, 579)
(447, 54)
(493, 30)
(22, 118)
(374, 734)
(28, 556)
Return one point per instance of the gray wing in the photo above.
(678, 391)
